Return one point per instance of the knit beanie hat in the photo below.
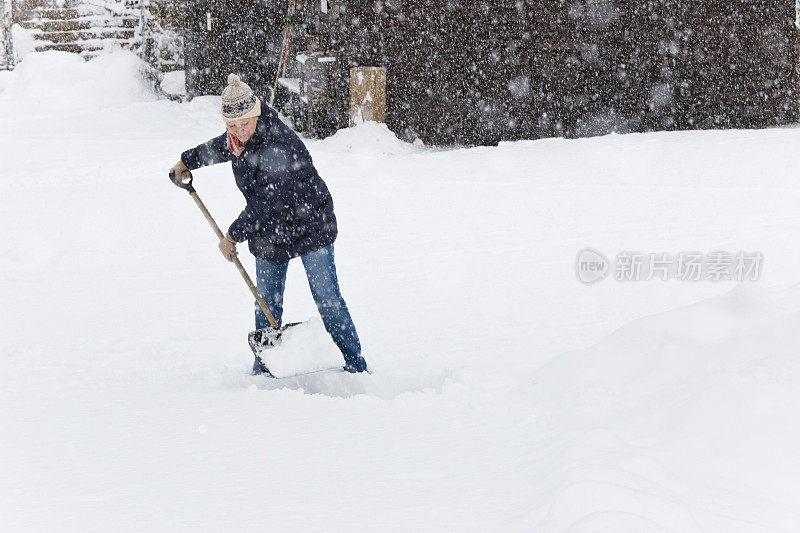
(239, 101)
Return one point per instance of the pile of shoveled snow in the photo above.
(369, 138)
(674, 414)
(59, 80)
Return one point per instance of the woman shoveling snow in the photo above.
(289, 212)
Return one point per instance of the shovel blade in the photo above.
(264, 339)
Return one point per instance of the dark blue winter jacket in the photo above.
(289, 209)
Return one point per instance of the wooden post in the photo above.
(367, 94)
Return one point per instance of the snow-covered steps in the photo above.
(80, 27)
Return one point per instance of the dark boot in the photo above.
(355, 364)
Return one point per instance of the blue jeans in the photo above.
(321, 274)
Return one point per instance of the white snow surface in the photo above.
(506, 395)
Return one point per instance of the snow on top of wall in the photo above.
(56, 79)
(106, 7)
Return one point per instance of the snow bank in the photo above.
(675, 348)
(60, 80)
(369, 137)
(5, 78)
(705, 393)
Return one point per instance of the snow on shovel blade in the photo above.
(264, 339)
(296, 349)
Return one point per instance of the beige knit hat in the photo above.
(238, 100)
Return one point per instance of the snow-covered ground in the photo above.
(506, 395)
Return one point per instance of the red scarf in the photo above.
(234, 145)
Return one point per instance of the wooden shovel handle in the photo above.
(261, 303)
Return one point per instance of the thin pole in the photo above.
(261, 303)
(287, 38)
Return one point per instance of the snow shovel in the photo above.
(261, 339)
